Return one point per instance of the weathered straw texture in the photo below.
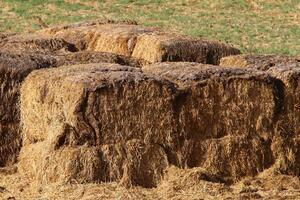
(195, 115)
(225, 116)
(140, 42)
(105, 120)
(161, 47)
(86, 81)
(113, 38)
(14, 67)
(131, 163)
(287, 69)
(287, 130)
(35, 43)
(260, 62)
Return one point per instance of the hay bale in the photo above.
(35, 43)
(105, 106)
(260, 62)
(161, 47)
(287, 69)
(224, 116)
(67, 164)
(287, 145)
(14, 67)
(140, 42)
(77, 33)
(118, 39)
(231, 157)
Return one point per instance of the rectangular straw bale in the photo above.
(224, 114)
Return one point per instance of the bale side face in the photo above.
(131, 163)
(118, 39)
(14, 67)
(285, 144)
(287, 129)
(165, 47)
(231, 157)
(222, 113)
(102, 106)
(284, 68)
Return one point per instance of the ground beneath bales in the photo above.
(194, 184)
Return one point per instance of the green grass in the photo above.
(253, 26)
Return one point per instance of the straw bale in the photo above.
(161, 47)
(226, 117)
(35, 43)
(260, 62)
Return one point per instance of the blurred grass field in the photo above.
(253, 26)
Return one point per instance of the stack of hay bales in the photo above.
(125, 117)
(108, 108)
(149, 44)
(225, 116)
(97, 122)
(77, 44)
(118, 123)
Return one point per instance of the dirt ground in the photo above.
(182, 184)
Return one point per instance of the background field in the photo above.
(254, 26)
